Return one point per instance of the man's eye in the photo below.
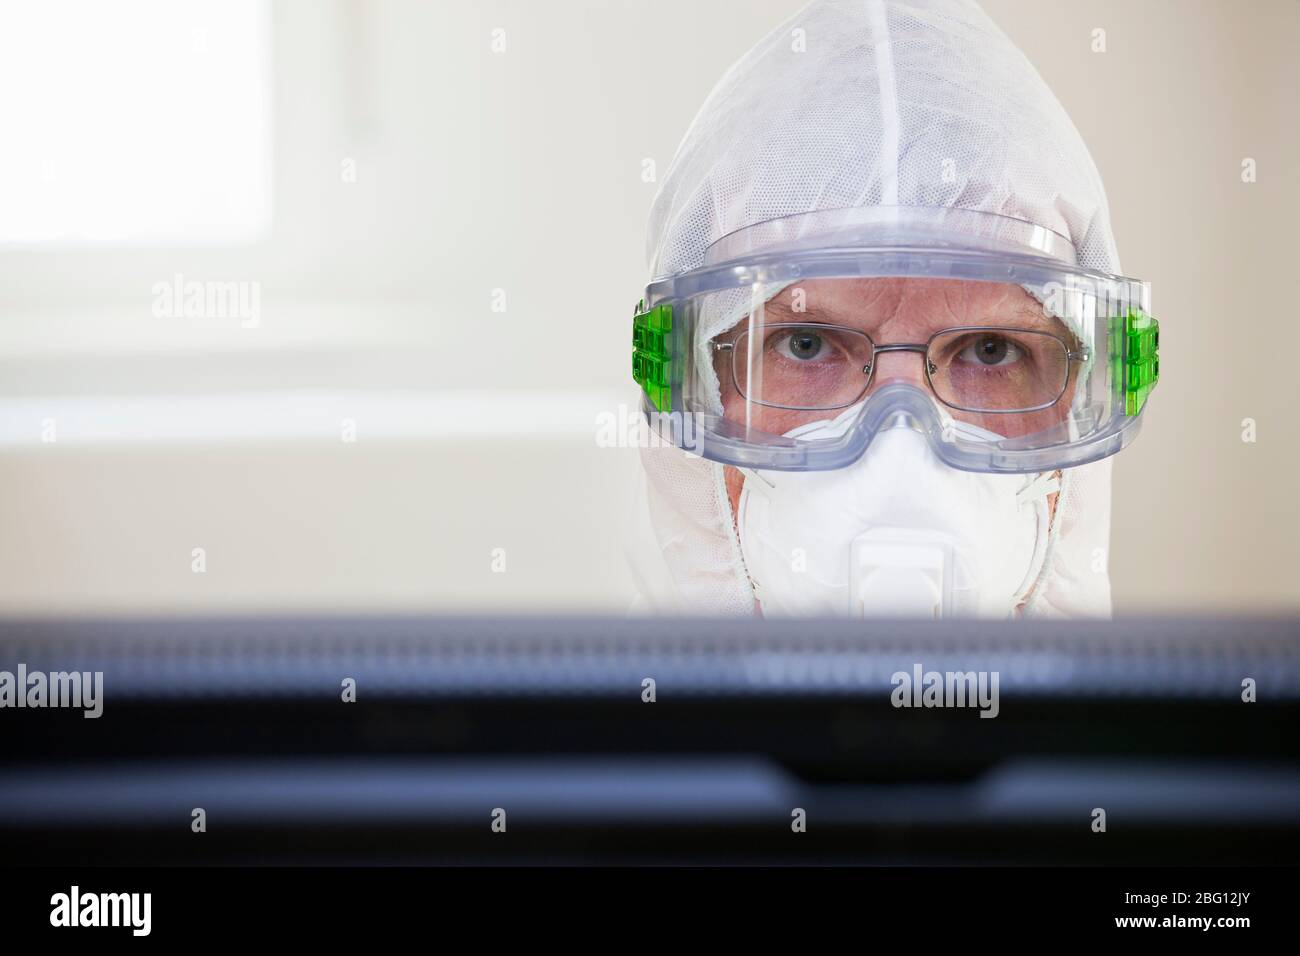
(991, 350)
(802, 346)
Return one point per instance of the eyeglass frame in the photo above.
(922, 348)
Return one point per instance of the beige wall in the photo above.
(522, 172)
(1185, 92)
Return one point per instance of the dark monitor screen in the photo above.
(403, 740)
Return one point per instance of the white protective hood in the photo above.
(863, 103)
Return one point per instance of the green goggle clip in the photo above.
(651, 360)
(1136, 363)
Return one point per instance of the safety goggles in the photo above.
(800, 338)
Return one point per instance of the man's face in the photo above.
(890, 311)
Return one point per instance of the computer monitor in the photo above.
(424, 740)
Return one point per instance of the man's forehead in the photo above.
(894, 303)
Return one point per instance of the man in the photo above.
(885, 336)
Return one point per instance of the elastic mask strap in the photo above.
(1035, 493)
(760, 479)
(1040, 486)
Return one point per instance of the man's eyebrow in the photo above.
(1036, 316)
(1032, 311)
(784, 309)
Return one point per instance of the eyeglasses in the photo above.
(983, 368)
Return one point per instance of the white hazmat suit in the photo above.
(869, 103)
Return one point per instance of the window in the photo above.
(137, 122)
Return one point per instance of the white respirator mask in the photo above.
(896, 534)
